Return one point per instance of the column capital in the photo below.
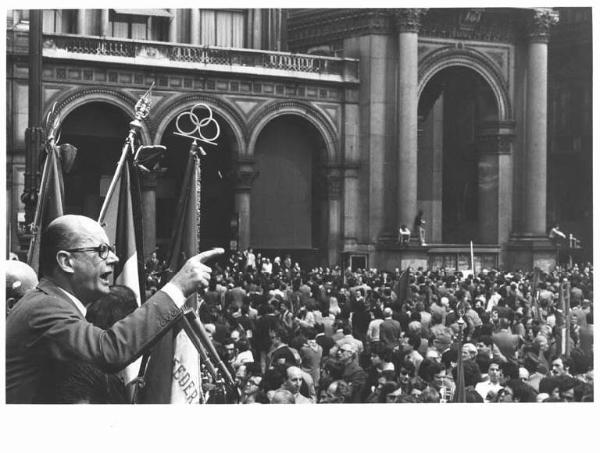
(540, 21)
(244, 177)
(334, 185)
(408, 20)
(149, 180)
(496, 137)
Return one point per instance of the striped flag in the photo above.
(122, 223)
(50, 203)
(173, 374)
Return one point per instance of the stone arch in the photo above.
(446, 57)
(272, 110)
(224, 109)
(69, 101)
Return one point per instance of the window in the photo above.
(59, 20)
(140, 24)
(223, 28)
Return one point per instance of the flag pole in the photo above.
(472, 260)
(142, 109)
(38, 209)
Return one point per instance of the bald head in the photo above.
(294, 379)
(20, 279)
(65, 232)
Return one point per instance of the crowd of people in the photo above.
(300, 336)
(333, 335)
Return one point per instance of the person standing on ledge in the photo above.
(419, 227)
(48, 326)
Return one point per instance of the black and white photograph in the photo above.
(213, 205)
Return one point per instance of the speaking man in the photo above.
(48, 325)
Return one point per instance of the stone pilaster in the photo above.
(105, 23)
(173, 26)
(81, 19)
(334, 192)
(195, 26)
(351, 204)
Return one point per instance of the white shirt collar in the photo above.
(76, 301)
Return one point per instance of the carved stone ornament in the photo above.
(540, 22)
(470, 18)
(408, 20)
(244, 179)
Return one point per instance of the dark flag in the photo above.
(534, 292)
(173, 374)
(50, 202)
(459, 392)
(402, 286)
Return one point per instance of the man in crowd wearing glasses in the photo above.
(48, 327)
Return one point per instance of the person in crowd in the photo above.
(48, 325)
(20, 279)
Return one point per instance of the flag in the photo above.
(459, 392)
(122, 223)
(402, 287)
(173, 374)
(50, 202)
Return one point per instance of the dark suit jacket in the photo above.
(46, 328)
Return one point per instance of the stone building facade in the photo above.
(323, 152)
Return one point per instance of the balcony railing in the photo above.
(209, 58)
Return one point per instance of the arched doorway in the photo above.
(216, 190)
(289, 195)
(453, 105)
(98, 130)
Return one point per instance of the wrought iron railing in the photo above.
(64, 45)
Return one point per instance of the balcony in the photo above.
(186, 56)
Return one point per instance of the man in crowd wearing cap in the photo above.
(353, 374)
(48, 326)
(20, 279)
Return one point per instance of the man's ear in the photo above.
(10, 303)
(65, 261)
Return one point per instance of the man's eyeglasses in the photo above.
(102, 250)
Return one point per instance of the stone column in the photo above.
(408, 23)
(245, 176)
(334, 192)
(494, 144)
(81, 19)
(148, 195)
(195, 26)
(534, 209)
(105, 23)
(173, 25)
